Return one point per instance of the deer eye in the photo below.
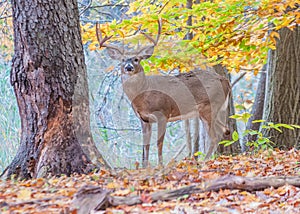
(136, 59)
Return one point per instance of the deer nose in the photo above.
(128, 67)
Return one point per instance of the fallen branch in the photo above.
(90, 198)
(41, 201)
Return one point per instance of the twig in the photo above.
(36, 201)
(86, 7)
(163, 7)
(118, 129)
(110, 5)
(238, 79)
(5, 17)
(178, 153)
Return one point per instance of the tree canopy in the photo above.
(235, 33)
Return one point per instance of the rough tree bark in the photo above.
(282, 104)
(48, 68)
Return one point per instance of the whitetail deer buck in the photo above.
(162, 99)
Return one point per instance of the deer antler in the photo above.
(102, 40)
(158, 34)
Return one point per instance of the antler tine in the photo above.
(158, 34)
(102, 40)
(159, 30)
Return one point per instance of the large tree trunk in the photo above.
(283, 88)
(48, 60)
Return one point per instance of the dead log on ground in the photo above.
(95, 198)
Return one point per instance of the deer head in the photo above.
(130, 61)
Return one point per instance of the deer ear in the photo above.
(146, 52)
(114, 54)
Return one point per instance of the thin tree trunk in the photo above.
(283, 88)
(47, 62)
(81, 118)
(188, 36)
(257, 109)
(233, 148)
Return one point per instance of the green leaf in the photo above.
(242, 44)
(253, 47)
(245, 117)
(147, 68)
(285, 126)
(258, 121)
(239, 107)
(226, 142)
(265, 127)
(199, 154)
(296, 126)
(235, 136)
(132, 189)
(278, 129)
(229, 143)
(274, 126)
(253, 132)
(262, 140)
(235, 116)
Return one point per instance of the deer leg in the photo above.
(216, 130)
(146, 127)
(161, 130)
(222, 117)
(207, 117)
(213, 143)
(188, 136)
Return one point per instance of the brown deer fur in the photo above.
(162, 99)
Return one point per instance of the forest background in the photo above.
(235, 34)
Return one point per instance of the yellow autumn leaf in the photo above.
(112, 185)
(66, 192)
(110, 68)
(285, 22)
(92, 46)
(272, 36)
(24, 194)
(120, 32)
(273, 47)
(122, 192)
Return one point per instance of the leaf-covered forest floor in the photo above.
(55, 195)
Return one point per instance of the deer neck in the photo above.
(134, 85)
